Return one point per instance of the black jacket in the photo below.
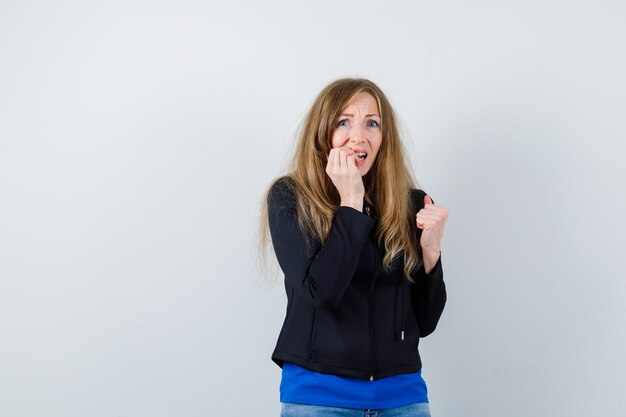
(346, 315)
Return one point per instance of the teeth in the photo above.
(361, 154)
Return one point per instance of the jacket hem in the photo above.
(280, 357)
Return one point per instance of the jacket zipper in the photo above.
(372, 321)
(312, 335)
(371, 302)
(371, 299)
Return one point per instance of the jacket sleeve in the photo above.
(428, 294)
(322, 273)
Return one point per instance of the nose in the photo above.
(357, 134)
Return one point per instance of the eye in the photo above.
(344, 122)
(373, 123)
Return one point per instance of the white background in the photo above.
(137, 138)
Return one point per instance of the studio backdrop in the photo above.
(137, 139)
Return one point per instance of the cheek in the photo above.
(336, 140)
(376, 144)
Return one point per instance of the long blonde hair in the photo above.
(388, 182)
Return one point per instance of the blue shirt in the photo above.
(299, 385)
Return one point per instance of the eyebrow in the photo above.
(352, 115)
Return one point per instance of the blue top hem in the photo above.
(303, 386)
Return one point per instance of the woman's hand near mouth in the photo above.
(342, 170)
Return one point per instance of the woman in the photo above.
(359, 246)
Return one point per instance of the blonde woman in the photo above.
(359, 246)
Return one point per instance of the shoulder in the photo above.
(416, 192)
(282, 191)
(417, 197)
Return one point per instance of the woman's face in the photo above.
(358, 128)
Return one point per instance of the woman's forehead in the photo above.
(363, 101)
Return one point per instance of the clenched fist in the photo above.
(342, 170)
(432, 220)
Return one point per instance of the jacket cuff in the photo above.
(436, 269)
(354, 214)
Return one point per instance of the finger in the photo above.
(436, 216)
(432, 215)
(347, 149)
(337, 161)
(431, 222)
(334, 162)
(342, 158)
(331, 160)
(424, 219)
(435, 211)
(345, 153)
(351, 159)
(425, 224)
(427, 200)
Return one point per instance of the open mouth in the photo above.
(361, 155)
